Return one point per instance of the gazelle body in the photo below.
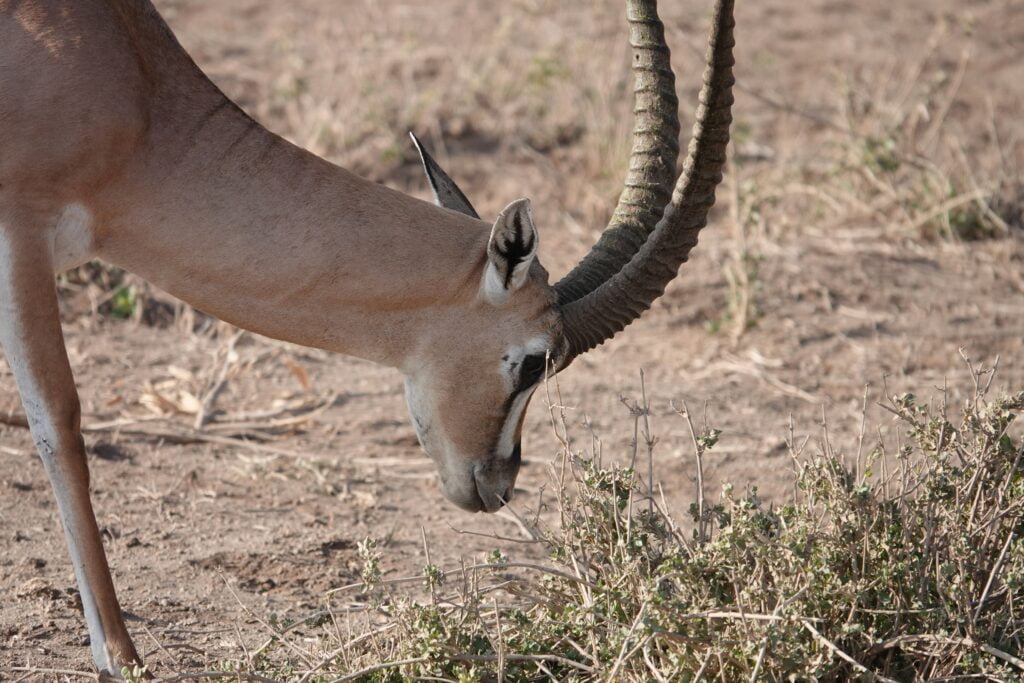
(114, 145)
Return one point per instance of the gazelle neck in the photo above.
(247, 227)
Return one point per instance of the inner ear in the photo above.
(510, 251)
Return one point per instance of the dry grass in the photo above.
(891, 157)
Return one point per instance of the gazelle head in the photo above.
(467, 403)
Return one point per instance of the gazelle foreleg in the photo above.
(31, 337)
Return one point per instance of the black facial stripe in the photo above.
(531, 370)
(517, 454)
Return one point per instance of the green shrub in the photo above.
(905, 564)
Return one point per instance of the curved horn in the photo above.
(652, 162)
(596, 317)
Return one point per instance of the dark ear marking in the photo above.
(515, 251)
(446, 193)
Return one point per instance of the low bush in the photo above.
(897, 563)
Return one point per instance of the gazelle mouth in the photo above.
(478, 490)
(490, 502)
(468, 498)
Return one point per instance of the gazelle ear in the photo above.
(446, 193)
(510, 251)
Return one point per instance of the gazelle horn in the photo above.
(622, 297)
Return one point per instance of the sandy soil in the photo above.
(201, 536)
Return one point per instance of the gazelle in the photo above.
(114, 145)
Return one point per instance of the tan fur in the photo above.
(102, 111)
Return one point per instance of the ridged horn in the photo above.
(652, 161)
(596, 317)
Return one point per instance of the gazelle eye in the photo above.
(531, 370)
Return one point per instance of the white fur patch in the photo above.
(507, 438)
(72, 238)
(494, 286)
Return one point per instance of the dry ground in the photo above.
(850, 280)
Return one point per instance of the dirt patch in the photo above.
(324, 568)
